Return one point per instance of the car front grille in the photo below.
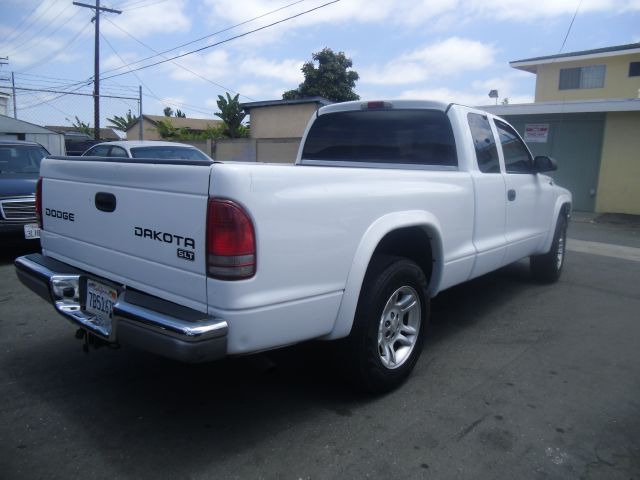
(18, 210)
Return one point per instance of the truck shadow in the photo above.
(171, 417)
(11, 250)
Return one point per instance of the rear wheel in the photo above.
(547, 267)
(388, 331)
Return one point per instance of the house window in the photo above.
(582, 77)
(634, 69)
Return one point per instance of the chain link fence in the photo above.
(65, 105)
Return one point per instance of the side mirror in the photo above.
(542, 163)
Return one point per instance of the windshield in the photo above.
(21, 158)
(182, 153)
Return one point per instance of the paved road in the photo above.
(517, 380)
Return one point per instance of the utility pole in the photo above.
(96, 66)
(13, 92)
(140, 119)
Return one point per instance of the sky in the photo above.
(451, 50)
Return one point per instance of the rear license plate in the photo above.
(100, 300)
(31, 231)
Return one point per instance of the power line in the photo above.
(37, 17)
(153, 94)
(175, 63)
(160, 54)
(53, 55)
(226, 40)
(128, 9)
(17, 27)
(17, 48)
(570, 25)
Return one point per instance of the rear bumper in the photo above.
(138, 319)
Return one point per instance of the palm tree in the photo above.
(123, 123)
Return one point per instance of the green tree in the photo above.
(123, 123)
(232, 115)
(331, 79)
(82, 127)
(168, 112)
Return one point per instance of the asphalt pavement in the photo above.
(517, 380)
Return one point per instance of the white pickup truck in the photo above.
(388, 204)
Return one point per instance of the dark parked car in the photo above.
(19, 169)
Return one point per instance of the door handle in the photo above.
(105, 202)
(511, 195)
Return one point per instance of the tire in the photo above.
(388, 330)
(547, 267)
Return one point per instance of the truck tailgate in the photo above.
(139, 224)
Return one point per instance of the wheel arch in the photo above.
(562, 206)
(411, 234)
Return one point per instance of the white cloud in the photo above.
(446, 58)
(114, 61)
(213, 65)
(412, 13)
(286, 70)
(160, 17)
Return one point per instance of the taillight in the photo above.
(231, 243)
(39, 201)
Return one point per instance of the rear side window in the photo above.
(118, 152)
(484, 143)
(417, 137)
(516, 156)
(97, 151)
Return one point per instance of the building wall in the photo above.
(150, 131)
(235, 149)
(575, 141)
(619, 184)
(282, 121)
(617, 83)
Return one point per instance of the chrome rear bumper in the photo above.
(138, 319)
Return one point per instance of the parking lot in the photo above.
(517, 380)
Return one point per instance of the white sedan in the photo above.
(146, 149)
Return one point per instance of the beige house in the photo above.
(587, 104)
(150, 126)
(603, 73)
(277, 127)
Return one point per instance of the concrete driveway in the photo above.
(517, 381)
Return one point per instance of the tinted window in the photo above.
(21, 158)
(97, 151)
(118, 152)
(634, 69)
(485, 143)
(422, 137)
(516, 156)
(181, 153)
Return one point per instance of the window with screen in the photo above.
(484, 143)
(516, 155)
(403, 136)
(591, 76)
(634, 69)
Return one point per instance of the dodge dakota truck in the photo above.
(387, 204)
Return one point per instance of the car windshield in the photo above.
(181, 153)
(21, 158)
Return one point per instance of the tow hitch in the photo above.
(91, 341)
